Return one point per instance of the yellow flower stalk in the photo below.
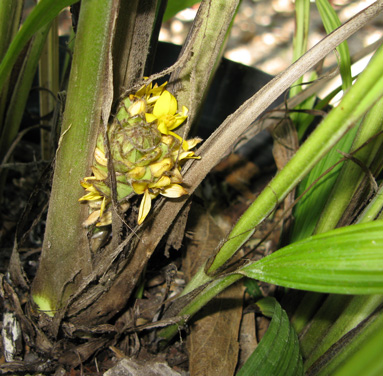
(146, 155)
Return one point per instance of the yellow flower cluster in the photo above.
(146, 155)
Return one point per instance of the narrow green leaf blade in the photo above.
(347, 260)
(331, 22)
(358, 353)
(45, 11)
(278, 351)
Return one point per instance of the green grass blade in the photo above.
(10, 11)
(49, 79)
(331, 22)
(302, 22)
(20, 93)
(278, 351)
(10, 14)
(44, 12)
(333, 127)
(308, 210)
(359, 308)
(322, 318)
(362, 355)
(373, 209)
(347, 260)
(351, 174)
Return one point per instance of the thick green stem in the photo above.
(66, 257)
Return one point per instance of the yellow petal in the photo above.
(85, 184)
(99, 174)
(146, 204)
(163, 128)
(137, 172)
(89, 187)
(92, 196)
(176, 176)
(159, 168)
(100, 158)
(150, 118)
(142, 90)
(137, 108)
(163, 182)
(185, 111)
(174, 190)
(166, 105)
(105, 219)
(178, 120)
(184, 142)
(187, 155)
(192, 143)
(139, 188)
(103, 205)
(92, 219)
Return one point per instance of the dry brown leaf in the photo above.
(213, 341)
(285, 145)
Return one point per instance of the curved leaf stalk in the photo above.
(347, 260)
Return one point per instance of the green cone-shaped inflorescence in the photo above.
(146, 155)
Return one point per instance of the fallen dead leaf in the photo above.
(213, 341)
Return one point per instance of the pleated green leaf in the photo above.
(278, 352)
(347, 260)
